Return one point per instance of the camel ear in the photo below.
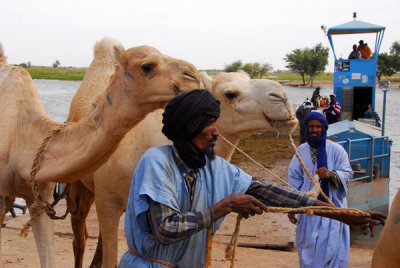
(244, 73)
(120, 55)
(207, 81)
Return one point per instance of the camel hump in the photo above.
(3, 58)
(105, 48)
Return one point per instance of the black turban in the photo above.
(184, 118)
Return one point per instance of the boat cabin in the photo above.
(355, 79)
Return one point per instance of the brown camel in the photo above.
(143, 81)
(248, 106)
(386, 253)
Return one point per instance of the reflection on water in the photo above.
(57, 95)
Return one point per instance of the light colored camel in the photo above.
(143, 80)
(247, 106)
(387, 250)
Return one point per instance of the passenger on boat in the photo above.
(302, 111)
(370, 113)
(332, 113)
(321, 242)
(315, 96)
(364, 50)
(355, 54)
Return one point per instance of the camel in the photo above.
(143, 80)
(247, 106)
(386, 253)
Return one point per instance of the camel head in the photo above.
(151, 78)
(250, 105)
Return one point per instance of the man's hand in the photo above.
(292, 218)
(323, 173)
(243, 204)
(365, 223)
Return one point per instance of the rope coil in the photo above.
(40, 205)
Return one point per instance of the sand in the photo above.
(264, 229)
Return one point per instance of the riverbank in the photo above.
(286, 78)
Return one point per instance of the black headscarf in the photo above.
(184, 118)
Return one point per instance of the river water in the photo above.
(57, 95)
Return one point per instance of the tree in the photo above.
(308, 61)
(248, 68)
(265, 68)
(297, 62)
(389, 64)
(234, 67)
(318, 60)
(56, 64)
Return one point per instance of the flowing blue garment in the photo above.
(158, 177)
(322, 242)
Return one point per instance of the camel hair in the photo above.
(247, 106)
(143, 80)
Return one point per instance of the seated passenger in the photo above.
(355, 54)
(364, 50)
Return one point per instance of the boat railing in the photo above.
(372, 154)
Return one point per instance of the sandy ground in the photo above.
(271, 229)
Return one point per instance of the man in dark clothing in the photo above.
(301, 114)
(315, 96)
(355, 54)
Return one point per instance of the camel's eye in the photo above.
(230, 95)
(147, 67)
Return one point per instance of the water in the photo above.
(57, 95)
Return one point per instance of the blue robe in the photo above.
(157, 176)
(322, 242)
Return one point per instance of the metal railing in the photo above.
(370, 155)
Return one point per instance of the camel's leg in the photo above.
(43, 229)
(98, 255)
(81, 199)
(2, 215)
(109, 209)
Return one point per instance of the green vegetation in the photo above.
(78, 73)
(56, 73)
(310, 62)
(389, 64)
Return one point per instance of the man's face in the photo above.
(207, 138)
(315, 128)
(332, 98)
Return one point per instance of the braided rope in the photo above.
(307, 171)
(40, 205)
(231, 248)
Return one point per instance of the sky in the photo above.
(209, 34)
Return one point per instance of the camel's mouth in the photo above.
(284, 125)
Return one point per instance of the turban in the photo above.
(185, 116)
(320, 144)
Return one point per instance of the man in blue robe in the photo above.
(179, 191)
(321, 242)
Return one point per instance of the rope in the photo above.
(40, 205)
(308, 172)
(231, 248)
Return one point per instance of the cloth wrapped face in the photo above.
(185, 116)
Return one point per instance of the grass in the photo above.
(75, 74)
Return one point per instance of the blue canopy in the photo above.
(355, 27)
(358, 27)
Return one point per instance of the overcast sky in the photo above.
(209, 34)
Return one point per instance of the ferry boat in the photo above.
(364, 140)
